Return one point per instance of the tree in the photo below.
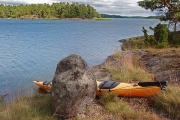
(83, 11)
(74, 11)
(169, 10)
(2, 13)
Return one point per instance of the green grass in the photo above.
(134, 43)
(35, 107)
(108, 97)
(95, 18)
(138, 43)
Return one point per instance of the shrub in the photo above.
(161, 35)
(160, 38)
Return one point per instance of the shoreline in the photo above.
(36, 18)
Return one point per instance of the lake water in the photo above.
(31, 49)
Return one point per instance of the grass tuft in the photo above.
(108, 97)
(169, 101)
(117, 54)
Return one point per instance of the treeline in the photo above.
(110, 16)
(55, 10)
(119, 16)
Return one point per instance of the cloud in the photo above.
(12, 2)
(118, 7)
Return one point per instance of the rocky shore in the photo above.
(164, 64)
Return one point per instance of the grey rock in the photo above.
(164, 66)
(73, 86)
(101, 74)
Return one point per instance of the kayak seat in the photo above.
(46, 83)
(108, 85)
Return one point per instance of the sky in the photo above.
(113, 7)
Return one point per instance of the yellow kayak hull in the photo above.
(122, 89)
(130, 90)
(42, 86)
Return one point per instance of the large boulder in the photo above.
(73, 86)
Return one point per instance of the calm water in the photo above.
(31, 49)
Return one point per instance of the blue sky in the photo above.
(117, 7)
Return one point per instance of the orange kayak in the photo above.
(44, 85)
(142, 89)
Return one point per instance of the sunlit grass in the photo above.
(129, 69)
(165, 50)
(121, 109)
(128, 75)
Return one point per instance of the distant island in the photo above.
(46, 11)
(119, 16)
